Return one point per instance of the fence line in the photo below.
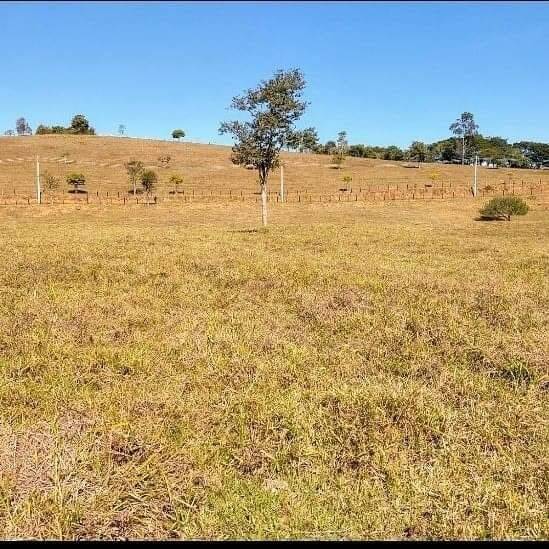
(297, 196)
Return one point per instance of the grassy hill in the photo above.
(360, 370)
(207, 169)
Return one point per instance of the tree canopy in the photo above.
(273, 106)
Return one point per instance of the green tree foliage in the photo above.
(22, 127)
(176, 180)
(503, 207)
(43, 130)
(393, 153)
(418, 151)
(536, 153)
(340, 150)
(274, 106)
(305, 140)
(178, 134)
(148, 180)
(76, 180)
(464, 128)
(80, 125)
(134, 168)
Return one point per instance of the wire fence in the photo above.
(107, 184)
(367, 194)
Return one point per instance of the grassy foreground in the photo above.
(358, 371)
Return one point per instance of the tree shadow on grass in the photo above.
(485, 218)
(245, 231)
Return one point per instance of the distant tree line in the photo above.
(459, 149)
(79, 125)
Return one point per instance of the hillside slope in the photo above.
(208, 168)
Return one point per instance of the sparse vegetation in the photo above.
(176, 180)
(373, 372)
(347, 179)
(148, 178)
(340, 150)
(503, 207)
(164, 160)
(134, 169)
(50, 183)
(76, 180)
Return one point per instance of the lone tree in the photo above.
(149, 180)
(503, 207)
(178, 134)
(121, 129)
(22, 127)
(274, 106)
(80, 125)
(176, 180)
(134, 169)
(340, 150)
(76, 180)
(464, 128)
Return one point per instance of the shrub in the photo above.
(165, 160)
(135, 169)
(148, 180)
(178, 134)
(176, 180)
(347, 179)
(76, 180)
(504, 207)
(50, 182)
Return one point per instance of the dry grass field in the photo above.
(359, 370)
(209, 173)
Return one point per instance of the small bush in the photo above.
(176, 180)
(148, 180)
(76, 180)
(503, 207)
(165, 160)
(50, 182)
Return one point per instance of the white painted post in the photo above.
(38, 190)
(281, 182)
(475, 181)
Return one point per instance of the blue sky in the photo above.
(387, 73)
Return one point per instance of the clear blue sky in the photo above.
(387, 73)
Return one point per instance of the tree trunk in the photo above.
(264, 203)
(134, 188)
(463, 150)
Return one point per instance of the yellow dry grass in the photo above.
(357, 371)
(207, 170)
